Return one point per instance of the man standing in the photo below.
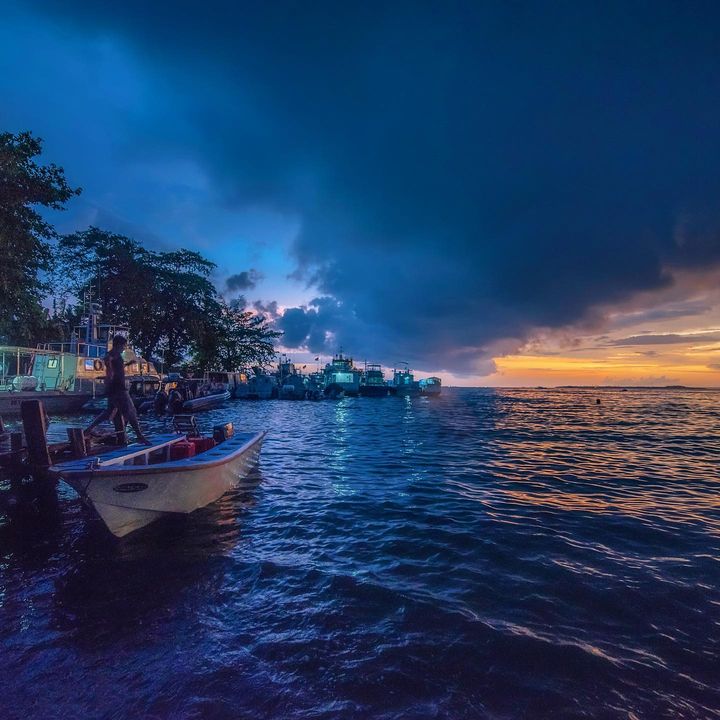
(118, 397)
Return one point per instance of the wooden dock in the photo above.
(28, 455)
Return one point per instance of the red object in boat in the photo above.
(202, 444)
(181, 450)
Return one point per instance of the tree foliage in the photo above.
(166, 299)
(24, 234)
(235, 338)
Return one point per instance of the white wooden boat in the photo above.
(132, 486)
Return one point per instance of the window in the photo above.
(52, 363)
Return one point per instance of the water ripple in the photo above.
(489, 554)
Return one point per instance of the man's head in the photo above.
(119, 342)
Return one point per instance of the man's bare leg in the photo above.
(135, 424)
(102, 417)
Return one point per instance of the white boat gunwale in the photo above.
(114, 466)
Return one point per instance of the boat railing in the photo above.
(139, 456)
(90, 350)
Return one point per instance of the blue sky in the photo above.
(451, 184)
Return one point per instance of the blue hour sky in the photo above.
(504, 193)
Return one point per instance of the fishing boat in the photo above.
(290, 382)
(431, 386)
(372, 383)
(32, 374)
(261, 386)
(82, 359)
(341, 377)
(132, 486)
(404, 383)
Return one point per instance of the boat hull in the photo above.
(130, 497)
(55, 402)
(407, 391)
(374, 391)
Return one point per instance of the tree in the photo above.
(165, 298)
(182, 303)
(236, 338)
(24, 234)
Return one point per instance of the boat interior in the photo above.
(185, 445)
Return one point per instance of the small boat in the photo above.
(206, 402)
(188, 395)
(132, 486)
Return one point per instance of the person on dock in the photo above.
(119, 401)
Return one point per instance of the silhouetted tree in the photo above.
(25, 254)
(234, 339)
(163, 297)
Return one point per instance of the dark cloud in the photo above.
(270, 309)
(681, 310)
(463, 173)
(667, 339)
(246, 280)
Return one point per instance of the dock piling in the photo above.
(16, 442)
(34, 425)
(76, 436)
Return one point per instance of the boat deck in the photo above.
(138, 456)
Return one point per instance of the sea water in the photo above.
(485, 554)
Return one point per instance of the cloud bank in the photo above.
(463, 174)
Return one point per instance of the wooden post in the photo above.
(76, 436)
(33, 418)
(16, 442)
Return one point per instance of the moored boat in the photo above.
(261, 386)
(32, 374)
(404, 383)
(178, 395)
(341, 377)
(431, 386)
(234, 382)
(372, 383)
(290, 382)
(206, 402)
(83, 356)
(132, 486)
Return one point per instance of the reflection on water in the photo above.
(514, 553)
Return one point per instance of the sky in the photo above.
(501, 194)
